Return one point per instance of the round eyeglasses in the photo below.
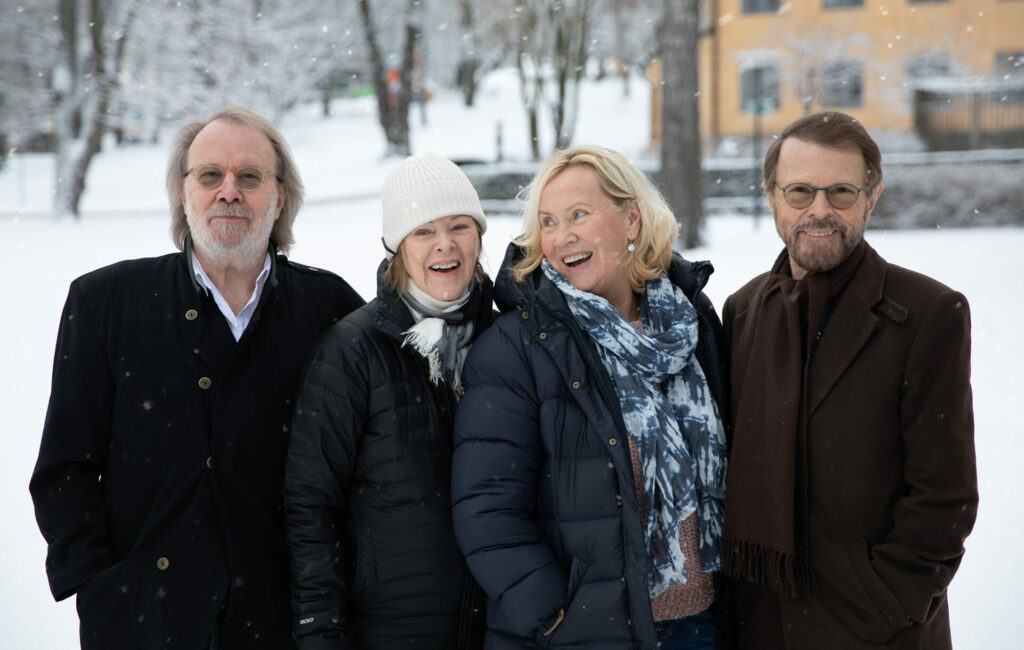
(246, 178)
(840, 196)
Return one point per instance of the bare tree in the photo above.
(531, 43)
(469, 59)
(624, 34)
(552, 46)
(274, 55)
(681, 177)
(84, 82)
(572, 23)
(808, 52)
(393, 95)
(28, 44)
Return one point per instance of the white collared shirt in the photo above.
(241, 321)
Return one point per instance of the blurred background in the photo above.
(940, 83)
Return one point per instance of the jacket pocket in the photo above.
(885, 604)
(577, 569)
(109, 608)
(848, 588)
(364, 574)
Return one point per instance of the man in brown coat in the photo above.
(852, 481)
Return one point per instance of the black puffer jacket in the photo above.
(545, 507)
(368, 507)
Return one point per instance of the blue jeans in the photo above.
(695, 632)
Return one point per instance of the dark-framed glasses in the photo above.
(840, 196)
(246, 178)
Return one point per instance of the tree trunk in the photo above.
(681, 177)
(572, 35)
(83, 90)
(398, 131)
(530, 93)
(380, 80)
(469, 62)
(393, 95)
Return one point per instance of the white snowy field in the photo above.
(340, 230)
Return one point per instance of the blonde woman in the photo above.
(589, 468)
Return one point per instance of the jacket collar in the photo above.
(187, 252)
(689, 276)
(859, 313)
(392, 316)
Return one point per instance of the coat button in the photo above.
(209, 462)
(191, 314)
(205, 382)
(525, 315)
(543, 336)
(612, 441)
(575, 385)
(163, 563)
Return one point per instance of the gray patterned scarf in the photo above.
(668, 408)
(443, 331)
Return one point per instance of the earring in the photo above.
(631, 247)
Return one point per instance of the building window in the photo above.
(926, 66)
(760, 89)
(760, 6)
(1010, 64)
(832, 4)
(842, 84)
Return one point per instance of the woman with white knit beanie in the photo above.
(367, 481)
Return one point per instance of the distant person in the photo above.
(852, 482)
(589, 469)
(367, 483)
(158, 483)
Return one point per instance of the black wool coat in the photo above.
(367, 493)
(158, 482)
(545, 507)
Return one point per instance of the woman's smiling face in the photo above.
(584, 235)
(440, 255)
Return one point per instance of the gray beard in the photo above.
(249, 247)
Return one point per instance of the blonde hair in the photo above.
(621, 182)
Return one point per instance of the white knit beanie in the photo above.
(423, 188)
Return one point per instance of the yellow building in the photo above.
(862, 57)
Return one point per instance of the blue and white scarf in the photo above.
(668, 408)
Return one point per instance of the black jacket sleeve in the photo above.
(66, 483)
(329, 417)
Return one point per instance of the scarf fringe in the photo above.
(427, 348)
(784, 573)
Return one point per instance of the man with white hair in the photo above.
(158, 482)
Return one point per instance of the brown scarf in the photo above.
(765, 535)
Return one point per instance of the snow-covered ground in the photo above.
(340, 159)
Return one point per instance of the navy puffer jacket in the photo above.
(544, 502)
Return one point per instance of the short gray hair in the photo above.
(287, 173)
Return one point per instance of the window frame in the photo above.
(771, 81)
(832, 95)
(754, 6)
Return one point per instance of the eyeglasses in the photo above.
(247, 178)
(840, 196)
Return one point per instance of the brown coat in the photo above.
(892, 485)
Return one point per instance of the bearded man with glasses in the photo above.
(158, 482)
(852, 482)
